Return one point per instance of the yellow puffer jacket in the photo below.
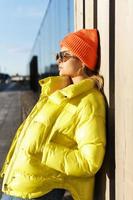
(61, 144)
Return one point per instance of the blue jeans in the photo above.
(56, 194)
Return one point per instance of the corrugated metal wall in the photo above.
(114, 22)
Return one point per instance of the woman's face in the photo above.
(70, 66)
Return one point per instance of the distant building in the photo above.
(18, 77)
(4, 78)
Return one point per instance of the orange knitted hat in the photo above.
(84, 45)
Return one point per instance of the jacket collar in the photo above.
(78, 88)
(51, 84)
(59, 84)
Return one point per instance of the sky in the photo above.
(19, 23)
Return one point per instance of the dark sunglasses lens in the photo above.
(59, 55)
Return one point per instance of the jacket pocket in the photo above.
(34, 137)
(64, 140)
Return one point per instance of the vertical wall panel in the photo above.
(78, 14)
(103, 27)
(89, 13)
(124, 99)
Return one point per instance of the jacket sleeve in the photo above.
(87, 158)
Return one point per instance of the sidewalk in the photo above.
(28, 100)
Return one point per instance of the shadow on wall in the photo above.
(105, 178)
(106, 175)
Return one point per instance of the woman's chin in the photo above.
(61, 73)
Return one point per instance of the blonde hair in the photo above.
(96, 77)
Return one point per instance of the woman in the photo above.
(61, 144)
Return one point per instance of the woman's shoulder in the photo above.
(93, 102)
(94, 96)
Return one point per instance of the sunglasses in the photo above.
(63, 56)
